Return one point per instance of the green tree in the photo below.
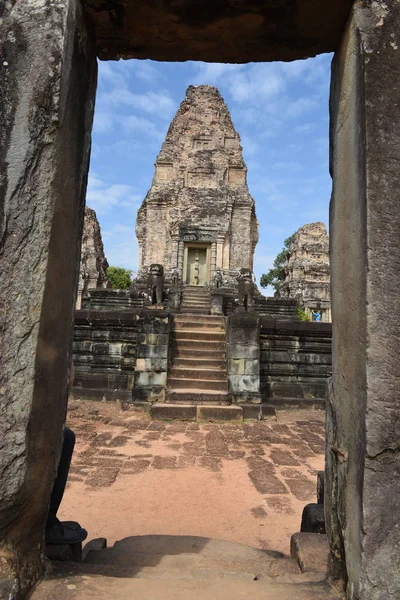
(120, 278)
(275, 275)
(303, 316)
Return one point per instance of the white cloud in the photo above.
(157, 103)
(250, 146)
(305, 127)
(103, 196)
(121, 247)
(300, 106)
(246, 83)
(146, 71)
(141, 125)
(289, 167)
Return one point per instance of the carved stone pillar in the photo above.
(220, 251)
(174, 252)
(181, 248)
(213, 260)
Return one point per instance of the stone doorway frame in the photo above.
(47, 86)
(203, 246)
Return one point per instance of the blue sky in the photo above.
(279, 109)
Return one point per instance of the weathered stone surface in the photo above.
(182, 412)
(219, 413)
(320, 487)
(311, 550)
(363, 459)
(47, 87)
(307, 271)
(93, 267)
(295, 360)
(243, 356)
(198, 216)
(150, 376)
(223, 31)
(104, 352)
(313, 519)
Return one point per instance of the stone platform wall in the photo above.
(104, 352)
(295, 357)
(295, 362)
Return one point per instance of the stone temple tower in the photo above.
(198, 215)
(307, 271)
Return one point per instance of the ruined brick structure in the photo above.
(307, 271)
(93, 267)
(45, 128)
(198, 215)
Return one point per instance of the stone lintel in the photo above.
(240, 31)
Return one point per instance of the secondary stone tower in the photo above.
(198, 216)
(307, 271)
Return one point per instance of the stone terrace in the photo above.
(240, 482)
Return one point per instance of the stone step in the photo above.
(209, 318)
(189, 383)
(193, 304)
(196, 334)
(198, 373)
(195, 311)
(183, 345)
(195, 397)
(196, 411)
(201, 363)
(183, 568)
(194, 321)
(195, 352)
(101, 583)
(199, 325)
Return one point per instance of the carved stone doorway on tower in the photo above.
(196, 264)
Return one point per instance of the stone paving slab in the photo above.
(244, 482)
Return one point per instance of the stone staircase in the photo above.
(116, 300)
(281, 309)
(197, 370)
(168, 567)
(195, 300)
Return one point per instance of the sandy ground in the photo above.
(246, 482)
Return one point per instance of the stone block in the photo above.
(219, 413)
(183, 412)
(247, 398)
(236, 366)
(158, 379)
(244, 383)
(143, 364)
(141, 378)
(311, 550)
(251, 367)
(95, 544)
(100, 348)
(251, 412)
(243, 351)
(243, 328)
(320, 487)
(148, 394)
(143, 351)
(313, 519)
(64, 552)
(268, 410)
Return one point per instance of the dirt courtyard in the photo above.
(244, 482)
